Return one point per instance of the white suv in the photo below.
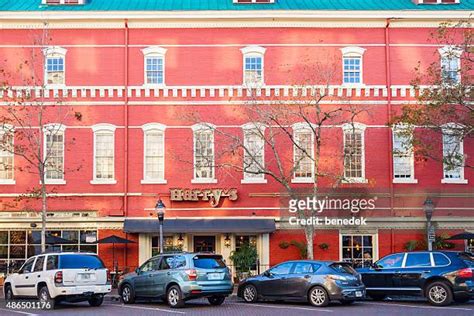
(63, 276)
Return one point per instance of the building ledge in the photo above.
(54, 182)
(7, 182)
(253, 181)
(203, 181)
(405, 181)
(151, 181)
(302, 180)
(454, 181)
(355, 180)
(106, 181)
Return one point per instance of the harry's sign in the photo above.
(212, 195)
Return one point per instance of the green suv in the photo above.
(178, 277)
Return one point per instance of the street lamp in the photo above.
(428, 207)
(160, 209)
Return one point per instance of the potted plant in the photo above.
(244, 260)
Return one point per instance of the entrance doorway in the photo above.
(204, 243)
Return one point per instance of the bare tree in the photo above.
(32, 123)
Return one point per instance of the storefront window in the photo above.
(358, 250)
(168, 245)
(250, 240)
(470, 245)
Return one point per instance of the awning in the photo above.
(253, 225)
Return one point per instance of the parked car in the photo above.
(441, 276)
(318, 282)
(55, 277)
(179, 277)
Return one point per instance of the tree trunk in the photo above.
(309, 233)
(43, 216)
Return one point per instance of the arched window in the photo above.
(53, 153)
(204, 168)
(253, 69)
(154, 65)
(104, 154)
(450, 64)
(354, 152)
(7, 154)
(254, 153)
(303, 153)
(154, 153)
(54, 66)
(352, 65)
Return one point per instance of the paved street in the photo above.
(234, 306)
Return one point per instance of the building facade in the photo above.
(150, 89)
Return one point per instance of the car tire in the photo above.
(318, 296)
(174, 297)
(439, 294)
(462, 299)
(96, 300)
(347, 302)
(9, 293)
(250, 294)
(216, 300)
(44, 297)
(377, 297)
(127, 295)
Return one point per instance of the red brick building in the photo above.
(139, 73)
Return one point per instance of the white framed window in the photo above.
(253, 65)
(354, 153)
(53, 153)
(352, 65)
(450, 64)
(154, 65)
(7, 156)
(403, 155)
(154, 153)
(360, 249)
(55, 66)
(254, 153)
(303, 153)
(204, 168)
(453, 154)
(104, 154)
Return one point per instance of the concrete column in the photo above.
(264, 254)
(144, 248)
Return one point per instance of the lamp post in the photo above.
(428, 207)
(160, 212)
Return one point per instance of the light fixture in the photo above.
(227, 241)
(180, 240)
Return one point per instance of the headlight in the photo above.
(337, 277)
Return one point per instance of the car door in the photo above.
(418, 265)
(381, 276)
(24, 280)
(143, 281)
(36, 275)
(274, 281)
(299, 279)
(162, 275)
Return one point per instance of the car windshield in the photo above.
(80, 262)
(208, 262)
(468, 258)
(343, 268)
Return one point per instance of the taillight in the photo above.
(192, 274)
(464, 273)
(58, 277)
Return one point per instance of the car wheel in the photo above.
(127, 295)
(45, 298)
(318, 296)
(347, 302)
(174, 297)
(439, 294)
(96, 300)
(216, 300)
(462, 298)
(249, 293)
(377, 297)
(9, 293)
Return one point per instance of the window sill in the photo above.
(203, 181)
(253, 181)
(302, 180)
(55, 182)
(454, 181)
(55, 86)
(151, 181)
(153, 85)
(255, 85)
(355, 180)
(108, 181)
(7, 182)
(353, 85)
(406, 181)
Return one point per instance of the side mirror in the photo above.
(267, 273)
(137, 271)
(374, 266)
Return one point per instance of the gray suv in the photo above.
(178, 277)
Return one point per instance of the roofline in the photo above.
(232, 14)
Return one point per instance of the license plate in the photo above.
(358, 294)
(86, 277)
(215, 276)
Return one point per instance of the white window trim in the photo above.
(251, 51)
(252, 1)
(148, 128)
(7, 128)
(446, 130)
(248, 127)
(348, 127)
(54, 128)
(353, 51)
(303, 127)
(63, 2)
(49, 52)
(375, 239)
(154, 51)
(412, 179)
(109, 128)
(206, 127)
(445, 51)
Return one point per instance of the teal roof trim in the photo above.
(228, 5)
